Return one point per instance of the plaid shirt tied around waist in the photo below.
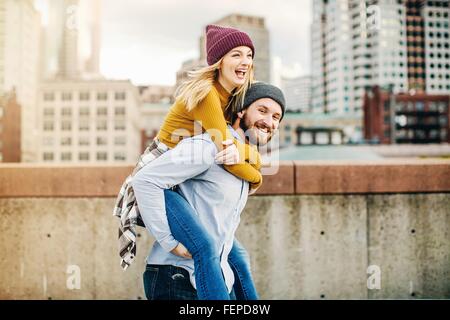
(126, 208)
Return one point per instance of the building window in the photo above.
(49, 96)
(84, 111)
(120, 141)
(66, 111)
(83, 156)
(83, 141)
(66, 126)
(102, 96)
(102, 125)
(102, 141)
(49, 112)
(48, 141)
(66, 141)
(102, 156)
(442, 107)
(119, 156)
(47, 156)
(66, 96)
(48, 126)
(84, 96)
(66, 156)
(120, 95)
(119, 111)
(102, 111)
(84, 126)
(119, 125)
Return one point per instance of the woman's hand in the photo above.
(181, 251)
(229, 155)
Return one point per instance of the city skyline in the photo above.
(154, 44)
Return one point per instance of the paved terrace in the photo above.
(315, 230)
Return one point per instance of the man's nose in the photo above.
(268, 121)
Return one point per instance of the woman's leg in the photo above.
(239, 260)
(187, 229)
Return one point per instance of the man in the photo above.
(217, 196)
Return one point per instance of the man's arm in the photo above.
(187, 160)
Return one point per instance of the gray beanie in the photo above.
(259, 90)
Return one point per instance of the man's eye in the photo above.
(262, 110)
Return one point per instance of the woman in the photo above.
(203, 99)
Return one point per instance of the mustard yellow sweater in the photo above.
(179, 123)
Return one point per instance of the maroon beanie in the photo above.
(220, 40)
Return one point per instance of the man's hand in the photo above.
(181, 251)
(229, 155)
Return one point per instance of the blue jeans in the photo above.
(165, 282)
(187, 229)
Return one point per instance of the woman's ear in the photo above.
(240, 114)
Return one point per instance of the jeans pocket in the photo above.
(150, 280)
(182, 288)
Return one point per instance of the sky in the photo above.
(148, 40)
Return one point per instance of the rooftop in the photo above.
(338, 152)
(364, 152)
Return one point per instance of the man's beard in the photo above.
(250, 133)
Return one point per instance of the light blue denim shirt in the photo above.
(217, 195)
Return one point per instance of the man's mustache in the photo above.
(261, 124)
(258, 124)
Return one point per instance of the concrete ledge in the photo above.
(299, 177)
(281, 183)
(378, 176)
(33, 180)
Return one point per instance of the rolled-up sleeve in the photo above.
(188, 159)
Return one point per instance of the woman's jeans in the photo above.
(187, 229)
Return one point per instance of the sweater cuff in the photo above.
(253, 156)
(256, 185)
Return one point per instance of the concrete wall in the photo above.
(303, 244)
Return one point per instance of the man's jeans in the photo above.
(163, 282)
(187, 229)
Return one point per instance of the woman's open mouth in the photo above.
(240, 74)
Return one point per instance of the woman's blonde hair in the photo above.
(192, 91)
